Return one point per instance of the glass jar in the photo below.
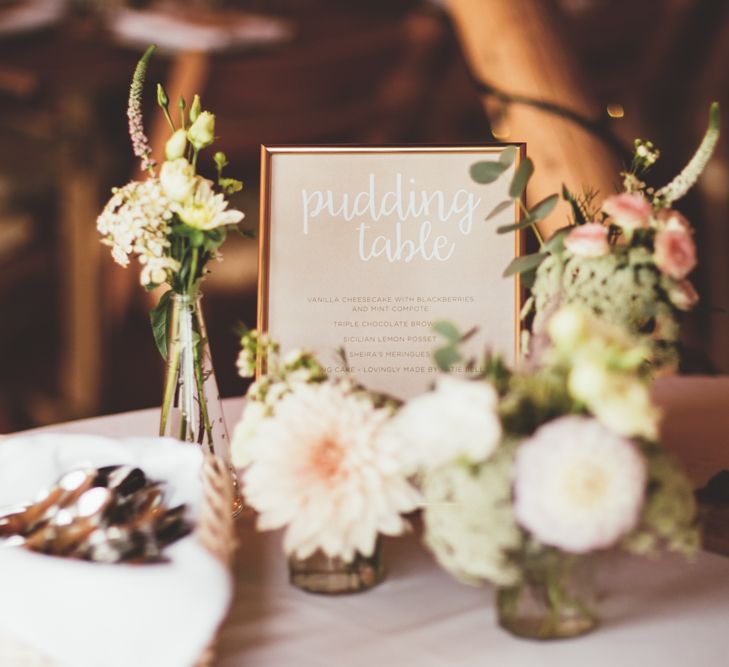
(320, 573)
(551, 602)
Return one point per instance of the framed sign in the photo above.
(364, 248)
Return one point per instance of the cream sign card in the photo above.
(365, 248)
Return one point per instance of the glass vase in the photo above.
(191, 407)
(550, 603)
(322, 574)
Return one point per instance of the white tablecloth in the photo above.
(664, 613)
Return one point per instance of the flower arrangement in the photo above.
(315, 460)
(525, 476)
(627, 258)
(174, 223)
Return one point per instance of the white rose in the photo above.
(567, 327)
(176, 144)
(458, 418)
(177, 178)
(620, 401)
(202, 131)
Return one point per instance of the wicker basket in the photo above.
(214, 531)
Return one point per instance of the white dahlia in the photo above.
(457, 419)
(245, 430)
(578, 485)
(319, 467)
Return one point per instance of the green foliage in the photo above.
(533, 400)
(158, 317)
(525, 263)
(508, 155)
(487, 172)
(669, 518)
(521, 178)
(448, 330)
(230, 185)
(506, 204)
(446, 357)
(544, 208)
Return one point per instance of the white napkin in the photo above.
(97, 615)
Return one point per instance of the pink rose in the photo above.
(683, 295)
(588, 240)
(628, 210)
(674, 253)
(670, 219)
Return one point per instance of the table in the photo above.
(666, 612)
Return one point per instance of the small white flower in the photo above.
(319, 468)
(457, 419)
(178, 179)
(155, 269)
(469, 520)
(136, 221)
(579, 486)
(293, 357)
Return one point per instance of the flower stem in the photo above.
(173, 363)
(169, 118)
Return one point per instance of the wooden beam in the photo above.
(515, 45)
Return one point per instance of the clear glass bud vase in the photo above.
(191, 406)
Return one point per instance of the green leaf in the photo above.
(579, 216)
(230, 185)
(448, 330)
(445, 357)
(487, 172)
(509, 203)
(544, 207)
(508, 155)
(521, 178)
(158, 319)
(196, 238)
(528, 278)
(528, 221)
(525, 263)
(555, 243)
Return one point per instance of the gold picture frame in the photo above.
(272, 155)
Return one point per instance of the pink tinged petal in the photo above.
(683, 295)
(588, 240)
(674, 253)
(628, 210)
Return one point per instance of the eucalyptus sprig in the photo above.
(582, 206)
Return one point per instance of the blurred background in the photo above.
(576, 79)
